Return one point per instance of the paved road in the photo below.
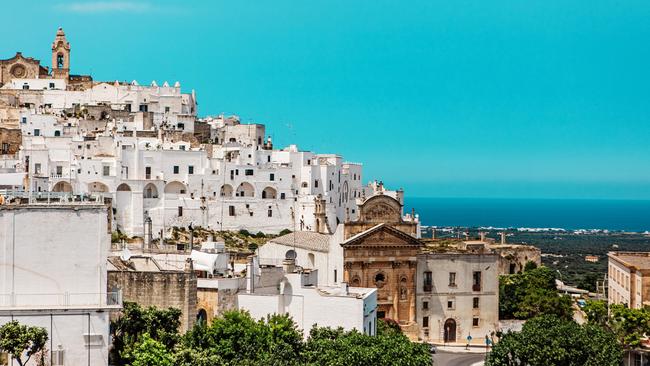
(456, 359)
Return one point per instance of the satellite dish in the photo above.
(126, 254)
(291, 254)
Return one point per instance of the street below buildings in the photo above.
(443, 358)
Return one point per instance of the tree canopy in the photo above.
(628, 325)
(551, 341)
(236, 339)
(22, 341)
(530, 294)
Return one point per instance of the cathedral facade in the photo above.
(380, 250)
(21, 67)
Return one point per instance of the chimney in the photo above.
(503, 237)
(250, 275)
(482, 235)
(289, 265)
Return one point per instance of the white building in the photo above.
(309, 304)
(53, 275)
(628, 277)
(457, 296)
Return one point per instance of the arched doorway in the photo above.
(97, 187)
(450, 330)
(269, 193)
(62, 186)
(202, 317)
(245, 190)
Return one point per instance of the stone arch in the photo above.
(381, 208)
(226, 190)
(62, 186)
(245, 189)
(380, 279)
(175, 187)
(356, 281)
(202, 317)
(150, 191)
(269, 193)
(97, 187)
(450, 330)
(123, 188)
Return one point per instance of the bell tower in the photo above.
(60, 56)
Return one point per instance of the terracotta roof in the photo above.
(305, 240)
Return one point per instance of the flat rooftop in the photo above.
(638, 260)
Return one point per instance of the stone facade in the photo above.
(380, 250)
(159, 288)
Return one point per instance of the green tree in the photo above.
(596, 311)
(532, 293)
(551, 341)
(17, 339)
(135, 321)
(629, 325)
(337, 347)
(150, 352)
(236, 338)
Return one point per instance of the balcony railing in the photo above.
(427, 288)
(476, 287)
(61, 300)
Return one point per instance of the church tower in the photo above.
(60, 56)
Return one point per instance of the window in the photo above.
(51, 85)
(316, 183)
(181, 126)
(57, 133)
(381, 314)
(59, 170)
(166, 109)
(513, 268)
(180, 211)
(270, 212)
(475, 322)
(428, 281)
(282, 196)
(425, 305)
(190, 169)
(272, 177)
(452, 279)
(144, 108)
(176, 169)
(475, 303)
(37, 168)
(248, 172)
(335, 276)
(37, 132)
(147, 172)
(26, 86)
(23, 120)
(450, 304)
(107, 171)
(5, 148)
(476, 281)
(231, 210)
(425, 321)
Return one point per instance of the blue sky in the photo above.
(480, 98)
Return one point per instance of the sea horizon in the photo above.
(627, 215)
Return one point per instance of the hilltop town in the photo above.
(115, 193)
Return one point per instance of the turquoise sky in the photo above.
(443, 98)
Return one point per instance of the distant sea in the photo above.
(570, 214)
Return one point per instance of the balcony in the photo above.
(427, 287)
(65, 300)
(476, 287)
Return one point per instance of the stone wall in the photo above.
(162, 289)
